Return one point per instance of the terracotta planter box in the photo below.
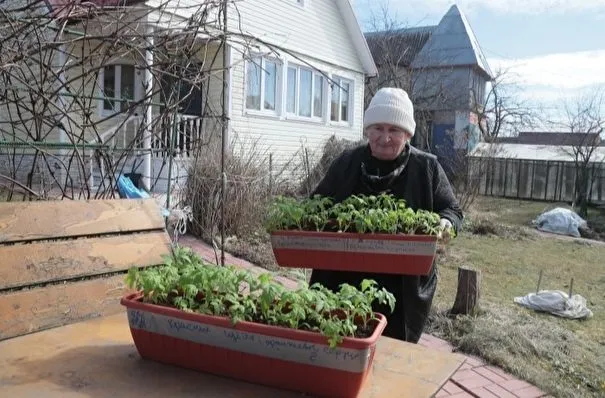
(381, 253)
(262, 354)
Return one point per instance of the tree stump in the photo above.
(467, 295)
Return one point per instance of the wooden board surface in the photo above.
(26, 264)
(22, 221)
(97, 359)
(27, 311)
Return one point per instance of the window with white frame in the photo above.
(304, 92)
(262, 81)
(118, 83)
(340, 100)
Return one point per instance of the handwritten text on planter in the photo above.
(251, 343)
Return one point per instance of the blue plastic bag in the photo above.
(126, 189)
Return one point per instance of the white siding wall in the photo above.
(315, 34)
(316, 29)
(282, 134)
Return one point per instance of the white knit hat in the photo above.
(393, 106)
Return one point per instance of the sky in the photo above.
(555, 49)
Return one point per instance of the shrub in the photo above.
(247, 189)
(332, 149)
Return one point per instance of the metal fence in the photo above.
(536, 180)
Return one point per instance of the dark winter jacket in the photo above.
(418, 178)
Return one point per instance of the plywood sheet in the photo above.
(26, 264)
(98, 359)
(23, 221)
(31, 310)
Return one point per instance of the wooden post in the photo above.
(547, 178)
(519, 179)
(505, 176)
(467, 295)
(533, 178)
(557, 188)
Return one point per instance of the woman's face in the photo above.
(386, 141)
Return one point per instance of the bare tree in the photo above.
(89, 91)
(395, 46)
(585, 119)
(501, 110)
(392, 52)
(93, 90)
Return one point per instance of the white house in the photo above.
(295, 76)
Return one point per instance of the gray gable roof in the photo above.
(452, 43)
(399, 46)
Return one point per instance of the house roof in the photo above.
(359, 40)
(452, 43)
(544, 153)
(552, 138)
(400, 46)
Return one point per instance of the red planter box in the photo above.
(257, 353)
(381, 253)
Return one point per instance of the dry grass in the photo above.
(564, 357)
(247, 188)
(548, 355)
(522, 212)
(510, 211)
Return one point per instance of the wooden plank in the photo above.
(28, 311)
(22, 221)
(97, 358)
(38, 262)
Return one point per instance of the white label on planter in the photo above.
(251, 343)
(354, 245)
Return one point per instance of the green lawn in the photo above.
(564, 357)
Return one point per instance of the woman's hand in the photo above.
(445, 229)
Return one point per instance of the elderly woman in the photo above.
(389, 164)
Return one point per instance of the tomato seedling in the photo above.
(190, 284)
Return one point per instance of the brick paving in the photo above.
(474, 379)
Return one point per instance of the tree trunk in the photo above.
(467, 295)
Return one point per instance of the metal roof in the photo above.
(452, 43)
(552, 138)
(400, 45)
(533, 152)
